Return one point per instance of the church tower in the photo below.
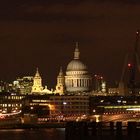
(60, 87)
(37, 83)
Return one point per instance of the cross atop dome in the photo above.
(77, 52)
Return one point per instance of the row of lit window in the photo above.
(13, 97)
(72, 103)
(70, 99)
(78, 107)
(73, 112)
(40, 101)
(74, 107)
(11, 105)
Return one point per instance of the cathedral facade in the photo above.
(77, 77)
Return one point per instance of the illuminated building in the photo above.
(114, 105)
(37, 83)
(103, 86)
(70, 105)
(60, 87)
(10, 102)
(100, 84)
(37, 87)
(5, 87)
(47, 91)
(113, 91)
(37, 104)
(23, 85)
(77, 77)
(56, 105)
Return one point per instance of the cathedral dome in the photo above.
(77, 77)
(76, 65)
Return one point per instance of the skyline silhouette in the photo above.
(43, 34)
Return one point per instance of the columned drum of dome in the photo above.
(77, 77)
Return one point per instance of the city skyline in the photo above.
(43, 34)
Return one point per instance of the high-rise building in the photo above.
(23, 85)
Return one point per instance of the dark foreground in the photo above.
(102, 131)
(32, 134)
(72, 131)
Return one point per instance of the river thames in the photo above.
(33, 134)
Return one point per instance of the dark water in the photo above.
(34, 134)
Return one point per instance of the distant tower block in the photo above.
(60, 87)
(37, 83)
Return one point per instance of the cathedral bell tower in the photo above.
(60, 87)
(37, 83)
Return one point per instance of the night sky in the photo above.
(42, 33)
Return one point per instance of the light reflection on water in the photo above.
(33, 134)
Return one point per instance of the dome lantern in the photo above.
(76, 52)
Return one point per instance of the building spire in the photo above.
(37, 73)
(61, 71)
(76, 52)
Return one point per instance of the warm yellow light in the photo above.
(133, 109)
(97, 118)
(52, 107)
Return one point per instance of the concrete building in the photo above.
(70, 105)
